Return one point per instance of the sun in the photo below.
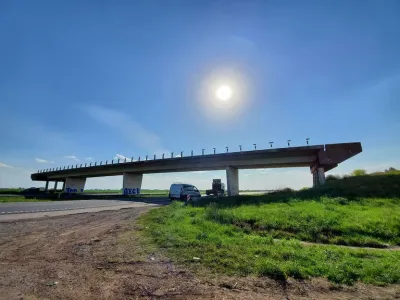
(224, 93)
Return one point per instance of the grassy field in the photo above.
(10, 190)
(270, 235)
(8, 199)
(367, 222)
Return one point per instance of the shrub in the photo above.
(359, 172)
(332, 177)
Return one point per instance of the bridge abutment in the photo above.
(232, 178)
(132, 183)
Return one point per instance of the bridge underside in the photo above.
(319, 158)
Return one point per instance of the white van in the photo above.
(181, 190)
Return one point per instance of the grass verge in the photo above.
(367, 222)
(10, 199)
(188, 233)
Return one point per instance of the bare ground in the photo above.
(101, 256)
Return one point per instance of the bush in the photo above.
(359, 172)
(332, 177)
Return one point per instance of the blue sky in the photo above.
(90, 80)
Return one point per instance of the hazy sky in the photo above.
(83, 81)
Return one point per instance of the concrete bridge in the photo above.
(319, 158)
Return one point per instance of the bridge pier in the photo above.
(55, 185)
(232, 178)
(74, 184)
(131, 183)
(318, 176)
(46, 188)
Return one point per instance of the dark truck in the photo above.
(218, 188)
(32, 192)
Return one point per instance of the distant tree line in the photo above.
(360, 172)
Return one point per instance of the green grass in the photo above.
(10, 190)
(8, 199)
(367, 222)
(265, 235)
(187, 232)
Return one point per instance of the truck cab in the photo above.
(218, 188)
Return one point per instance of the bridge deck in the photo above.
(327, 155)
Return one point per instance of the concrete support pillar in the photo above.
(63, 187)
(321, 176)
(74, 185)
(232, 178)
(46, 188)
(55, 185)
(315, 179)
(132, 183)
(318, 176)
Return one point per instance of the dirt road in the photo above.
(101, 256)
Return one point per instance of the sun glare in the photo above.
(224, 93)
